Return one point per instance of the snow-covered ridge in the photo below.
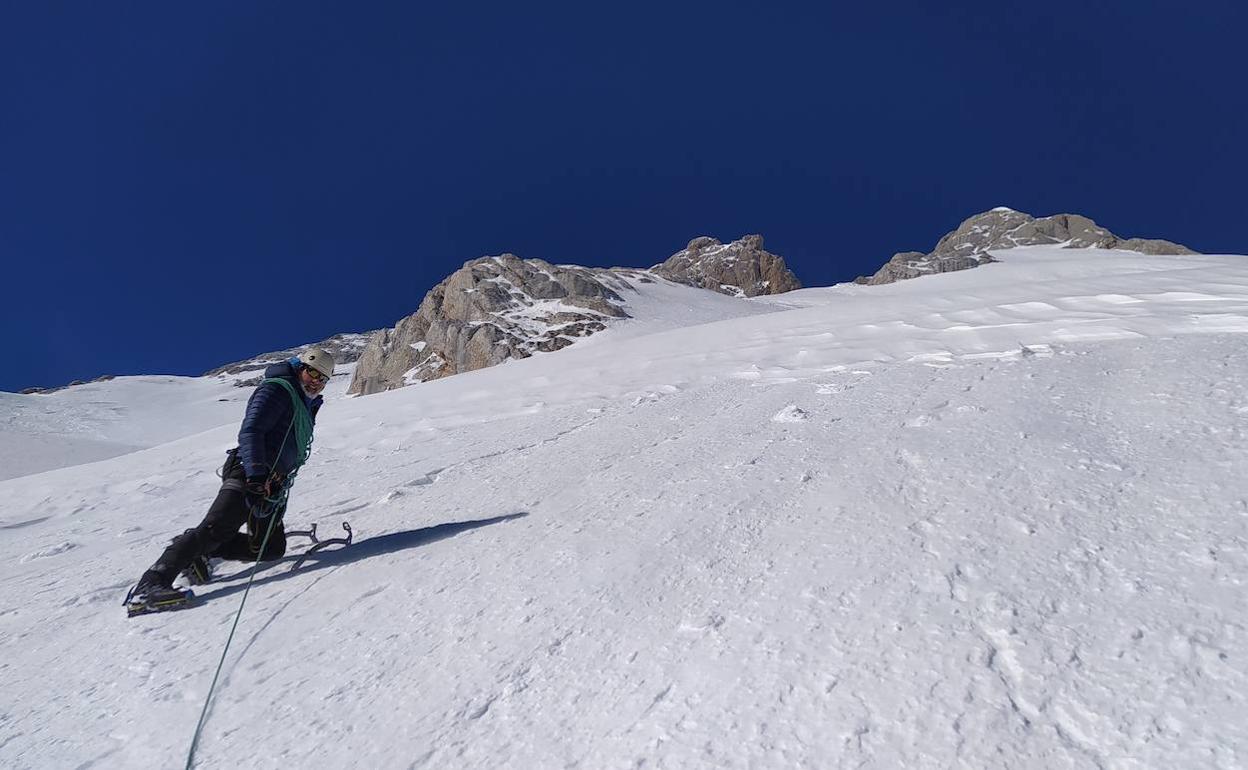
(503, 308)
(1033, 296)
(971, 244)
(97, 421)
(995, 517)
(346, 349)
(742, 268)
(491, 310)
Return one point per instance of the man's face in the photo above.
(313, 381)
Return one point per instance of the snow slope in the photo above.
(995, 518)
(99, 420)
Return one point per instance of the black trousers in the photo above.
(219, 535)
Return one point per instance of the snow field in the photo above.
(822, 537)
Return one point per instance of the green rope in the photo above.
(203, 714)
(301, 425)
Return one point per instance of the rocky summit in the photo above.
(742, 268)
(1004, 228)
(490, 310)
(498, 308)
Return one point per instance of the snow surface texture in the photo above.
(99, 420)
(995, 518)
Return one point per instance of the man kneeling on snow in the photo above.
(274, 440)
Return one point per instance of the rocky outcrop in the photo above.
(346, 348)
(1004, 228)
(741, 268)
(75, 383)
(499, 308)
(490, 310)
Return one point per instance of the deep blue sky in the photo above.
(186, 184)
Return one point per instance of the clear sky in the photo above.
(187, 184)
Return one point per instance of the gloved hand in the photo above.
(258, 486)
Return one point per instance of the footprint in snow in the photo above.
(938, 412)
(51, 550)
(390, 496)
(832, 388)
(791, 413)
(349, 509)
(711, 622)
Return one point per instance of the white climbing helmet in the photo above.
(319, 359)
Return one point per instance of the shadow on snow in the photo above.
(343, 555)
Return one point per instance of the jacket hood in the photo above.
(282, 369)
(286, 370)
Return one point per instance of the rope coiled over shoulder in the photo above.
(300, 423)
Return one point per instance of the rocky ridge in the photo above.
(490, 310)
(494, 309)
(742, 268)
(498, 308)
(36, 390)
(1004, 228)
(346, 349)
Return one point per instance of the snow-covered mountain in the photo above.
(491, 310)
(346, 349)
(742, 268)
(502, 308)
(498, 309)
(113, 416)
(973, 242)
(990, 518)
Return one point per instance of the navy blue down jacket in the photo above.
(268, 418)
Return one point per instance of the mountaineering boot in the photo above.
(155, 593)
(198, 572)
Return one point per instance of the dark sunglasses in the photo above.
(316, 376)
